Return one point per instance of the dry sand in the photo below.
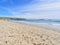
(22, 34)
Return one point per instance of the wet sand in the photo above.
(23, 34)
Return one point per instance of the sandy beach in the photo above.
(23, 34)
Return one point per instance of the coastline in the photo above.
(25, 34)
(36, 25)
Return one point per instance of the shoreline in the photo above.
(36, 25)
(54, 29)
(41, 24)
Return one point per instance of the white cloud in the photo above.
(50, 6)
(49, 10)
(45, 15)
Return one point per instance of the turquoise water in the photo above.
(44, 23)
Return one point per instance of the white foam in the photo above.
(45, 24)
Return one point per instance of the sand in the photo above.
(23, 34)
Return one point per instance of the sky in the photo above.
(30, 9)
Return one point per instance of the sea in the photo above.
(40, 22)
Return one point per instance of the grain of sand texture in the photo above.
(22, 34)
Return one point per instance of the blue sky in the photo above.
(36, 9)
